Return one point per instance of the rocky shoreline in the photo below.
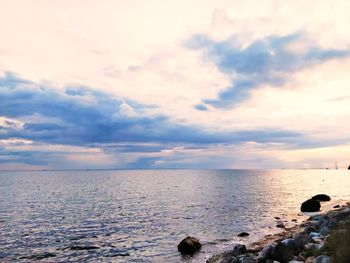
(306, 242)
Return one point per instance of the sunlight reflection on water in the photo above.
(140, 216)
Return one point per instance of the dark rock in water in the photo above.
(349, 167)
(277, 218)
(310, 206)
(189, 245)
(336, 206)
(280, 225)
(284, 251)
(243, 234)
(321, 198)
(294, 220)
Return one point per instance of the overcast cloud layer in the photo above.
(130, 85)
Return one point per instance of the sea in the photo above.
(142, 215)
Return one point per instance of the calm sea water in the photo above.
(140, 216)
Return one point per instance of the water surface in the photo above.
(140, 216)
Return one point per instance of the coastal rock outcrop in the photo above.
(237, 255)
(189, 245)
(310, 206)
(321, 198)
(284, 251)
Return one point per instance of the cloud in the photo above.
(117, 128)
(266, 61)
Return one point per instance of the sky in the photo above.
(202, 84)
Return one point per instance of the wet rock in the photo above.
(310, 206)
(294, 220)
(266, 252)
(321, 198)
(301, 239)
(321, 259)
(189, 245)
(336, 206)
(243, 234)
(277, 218)
(280, 225)
(284, 251)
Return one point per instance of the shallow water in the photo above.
(140, 216)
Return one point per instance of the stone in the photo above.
(321, 259)
(284, 251)
(243, 234)
(266, 252)
(321, 198)
(310, 206)
(189, 245)
(232, 256)
(310, 229)
(301, 239)
(280, 225)
(239, 250)
(336, 206)
(313, 248)
(315, 235)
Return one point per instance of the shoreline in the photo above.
(309, 241)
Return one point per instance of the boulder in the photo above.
(189, 245)
(301, 239)
(266, 252)
(243, 234)
(310, 206)
(321, 198)
(284, 251)
(234, 256)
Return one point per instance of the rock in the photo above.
(309, 229)
(266, 252)
(234, 256)
(336, 206)
(310, 206)
(312, 248)
(321, 259)
(280, 225)
(277, 218)
(243, 234)
(296, 261)
(321, 198)
(315, 235)
(294, 220)
(301, 239)
(284, 251)
(349, 167)
(239, 250)
(189, 245)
